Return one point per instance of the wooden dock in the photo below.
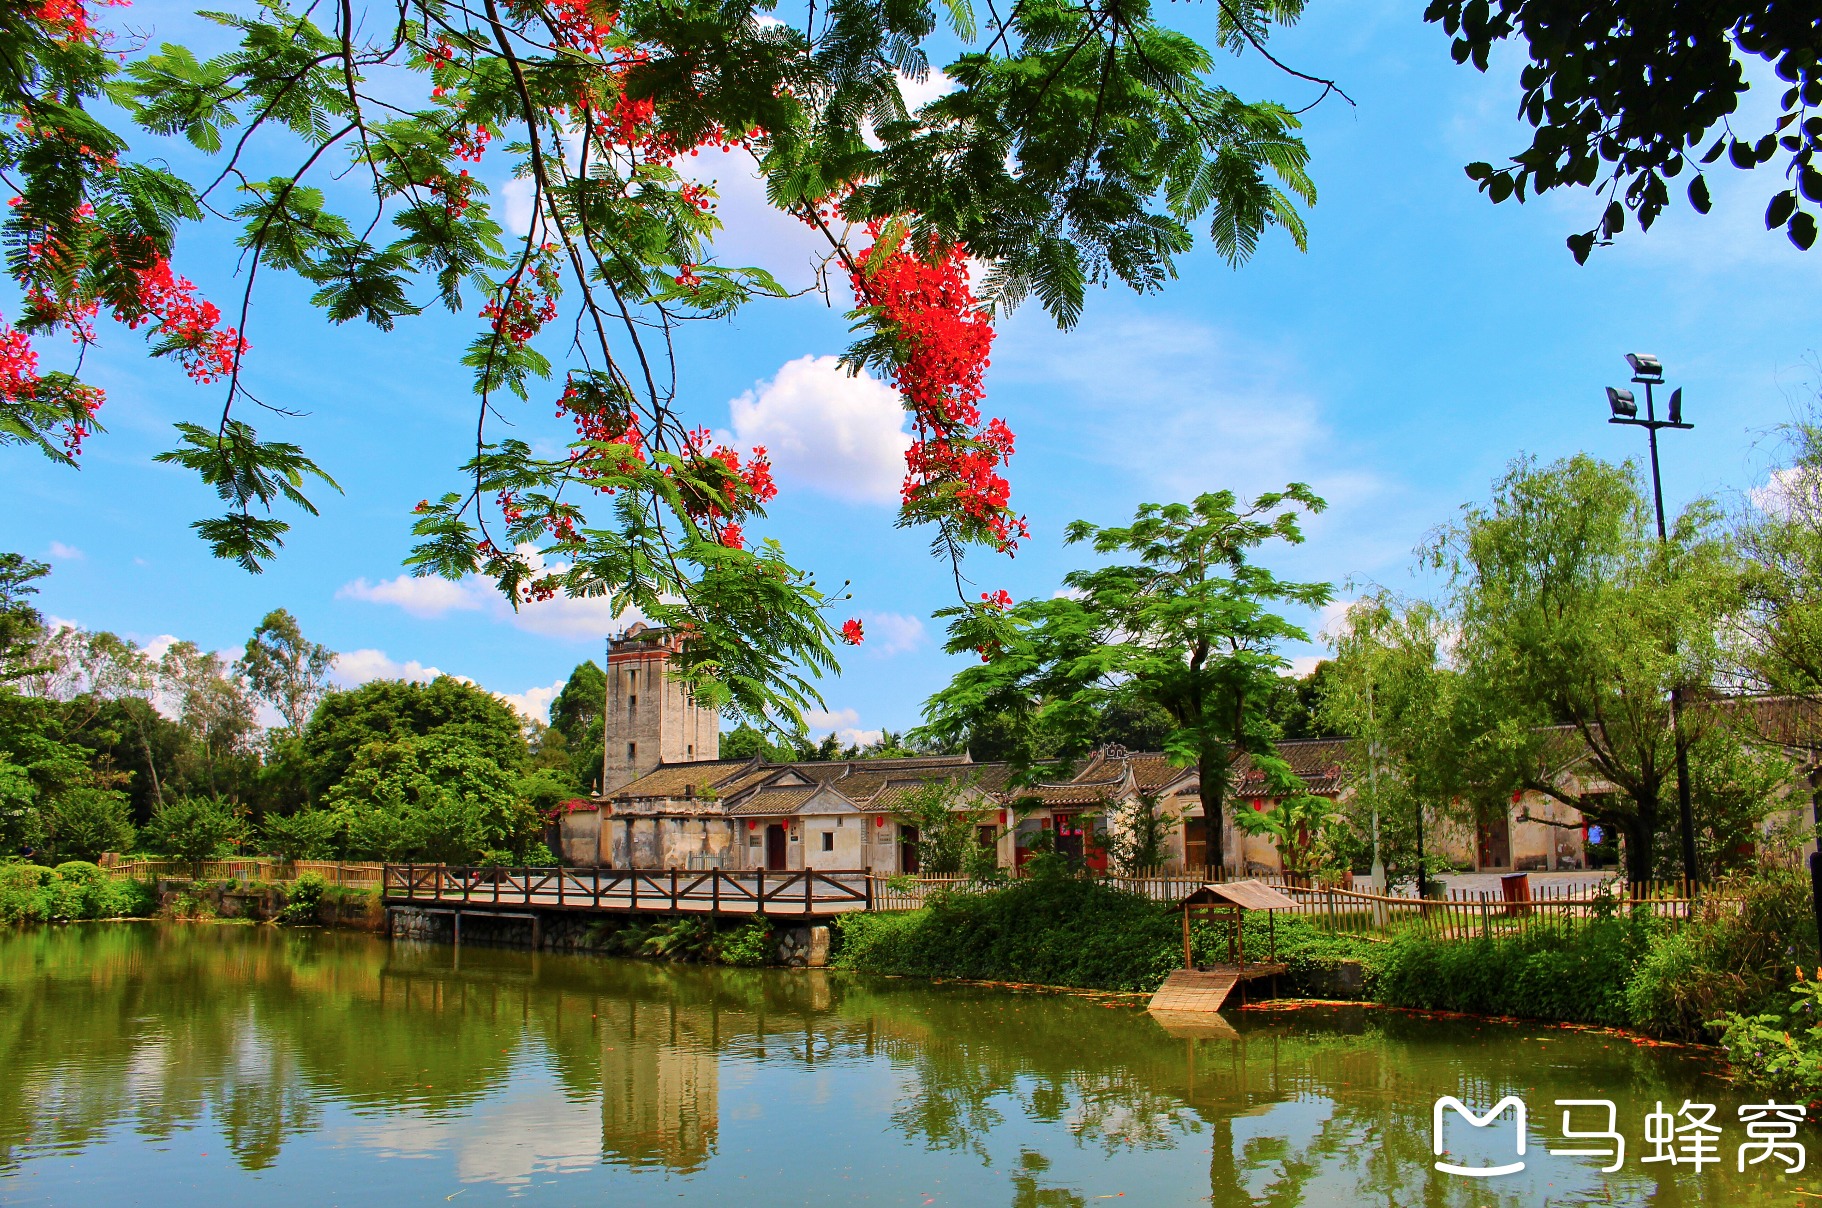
(658, 891)
(1204, 991)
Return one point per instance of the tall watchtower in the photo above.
(650, 719)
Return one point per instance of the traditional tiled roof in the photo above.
(674, 779)
(772, 801)
(1153, 772)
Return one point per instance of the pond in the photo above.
(196, 1064)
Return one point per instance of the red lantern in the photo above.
(752, 825)
(880, 820)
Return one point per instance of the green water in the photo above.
(203, 1065)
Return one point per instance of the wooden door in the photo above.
(1495, 841)
(1195, 845)
(775, 848)
(907, 850)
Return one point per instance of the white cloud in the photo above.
(428, 597)
(838, 434)
(1791, 491)
(891, 632)
(67, 552)
(1302, 665)
(356, 667)
(561, 616)
(533, 703)
(825, 719)
(918, 93)
(1331, 620)
(843, 723)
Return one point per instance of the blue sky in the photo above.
(1425, 339)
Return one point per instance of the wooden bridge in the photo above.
(659, 891)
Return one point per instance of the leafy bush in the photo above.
(193, 828)
(748, 945)
(309, 834)
(76, 890)
(1779, 1053)
(1580, 977)
(303, 901)
(1728, 960)
(87, 821)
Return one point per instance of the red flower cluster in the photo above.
(19, 381)
(944, 337)
(851, 632)
(578, 28)
(18, 366)
(189, 321)
(71, 18)
(520, 313)
(999, 601)
(453, 190)
(468, 144)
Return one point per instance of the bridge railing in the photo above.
(667, 890)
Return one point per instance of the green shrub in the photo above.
(86, 821)
(75, 890)
(748, 945)
(1730, 959)
(1781, 1053)
(303, 901)
(25, 894)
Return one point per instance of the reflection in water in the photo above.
(325, 1061)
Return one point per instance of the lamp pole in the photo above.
(1648, 371)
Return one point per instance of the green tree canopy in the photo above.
(1082, 145)
(391, 710)
(435, 797)
(1624, 96)
(285, 669)
(576, 714)
(1188, 626)
(1574, 624)
(1389, 690)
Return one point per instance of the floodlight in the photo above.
(1676, 405)
(1644, 365)
(1623, 404)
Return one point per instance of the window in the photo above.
(632, 677)
(828, 840)
(632, 704)
(691, 750)
(632, 749)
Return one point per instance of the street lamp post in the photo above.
(1648, 371)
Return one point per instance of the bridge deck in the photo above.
(667, 891)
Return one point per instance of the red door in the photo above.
(907, 850)
(775, 848)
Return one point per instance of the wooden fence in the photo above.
(354, 875)
(1457, 914)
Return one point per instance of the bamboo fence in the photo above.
(1456, 914)
(354, 875)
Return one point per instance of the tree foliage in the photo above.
(285, 669)
(1574, 625)
(1390, 691)
(1188, 627)
(1624, 96)
(392, 710)
(1083, 144)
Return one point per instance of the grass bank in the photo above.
(1628, 970)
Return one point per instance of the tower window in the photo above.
(632, 704)
(691, 749)
(632, 749)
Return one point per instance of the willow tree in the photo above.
(1390, 693)
(348, 146)
(1189, 625)
(1575, 623)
